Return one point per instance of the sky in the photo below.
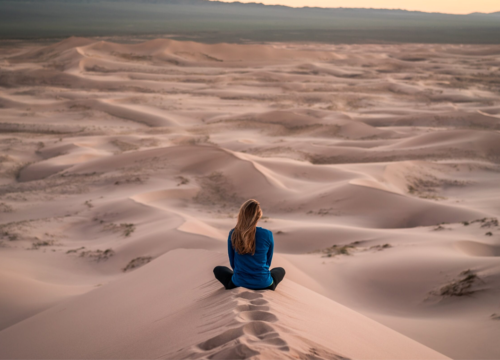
(444, 6)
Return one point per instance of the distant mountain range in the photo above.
(215, 21)
(199, 2)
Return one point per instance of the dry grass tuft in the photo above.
(380, 247)
(486, 222)
(182, 180)
(75, 250)
(137, 262)
(6, 208)
(459, 287)
(125, 228)
(97, 255)
(336, 250)
(41, 243)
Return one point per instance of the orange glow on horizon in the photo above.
(442, 6)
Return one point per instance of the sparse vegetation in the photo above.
(12, 237)
(137, 262)
(9, 236)
(132, 57)
(75, 250)
(9, 230)
(336, 250)
(426, 185)
(493, 222)
(349, 249)
(89, 204)
(489, 233)
(465, 223)
(125, 228)
(344, 250)
(325, 211)
(381, 247)
(439, 228)
(461, 286)
(432, 197)
(486, 222)
(128, 229)
(217, 190)
(6, 208)
(134, 180)
(40, 243)
(97, 255)
(182, 180)
(495, 316)
(28, 229)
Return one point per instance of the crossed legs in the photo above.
(224, 275)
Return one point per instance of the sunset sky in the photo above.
(445, 6)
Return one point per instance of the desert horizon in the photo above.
(214, 22)
(123, 166)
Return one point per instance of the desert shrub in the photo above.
(125, 228)
(137, 262)
(461, 286)
(40, 243)
(97, 255)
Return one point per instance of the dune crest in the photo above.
(290, 323)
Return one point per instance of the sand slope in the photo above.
(190, 316)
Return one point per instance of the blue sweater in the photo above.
(252, 271)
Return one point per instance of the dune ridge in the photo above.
(220, 324)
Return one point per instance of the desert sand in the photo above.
(122, 168)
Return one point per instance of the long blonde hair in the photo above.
(243, 237)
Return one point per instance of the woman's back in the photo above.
(252, 271)
(250, 249)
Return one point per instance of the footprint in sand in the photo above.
(250, 307)
(259, 302)
(249, 295)
(258, 315)
(252, 332)
(221, 339)
(246, 340)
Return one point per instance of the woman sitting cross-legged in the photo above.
(250, 251)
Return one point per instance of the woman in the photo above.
(250, 251)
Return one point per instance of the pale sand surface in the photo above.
(377, 167)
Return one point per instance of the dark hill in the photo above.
(214, 21)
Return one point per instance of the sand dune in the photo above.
(122, 168)
(474, 248)
(217, 323)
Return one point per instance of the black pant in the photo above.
(224, 275)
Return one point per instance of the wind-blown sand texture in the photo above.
(123, 166)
